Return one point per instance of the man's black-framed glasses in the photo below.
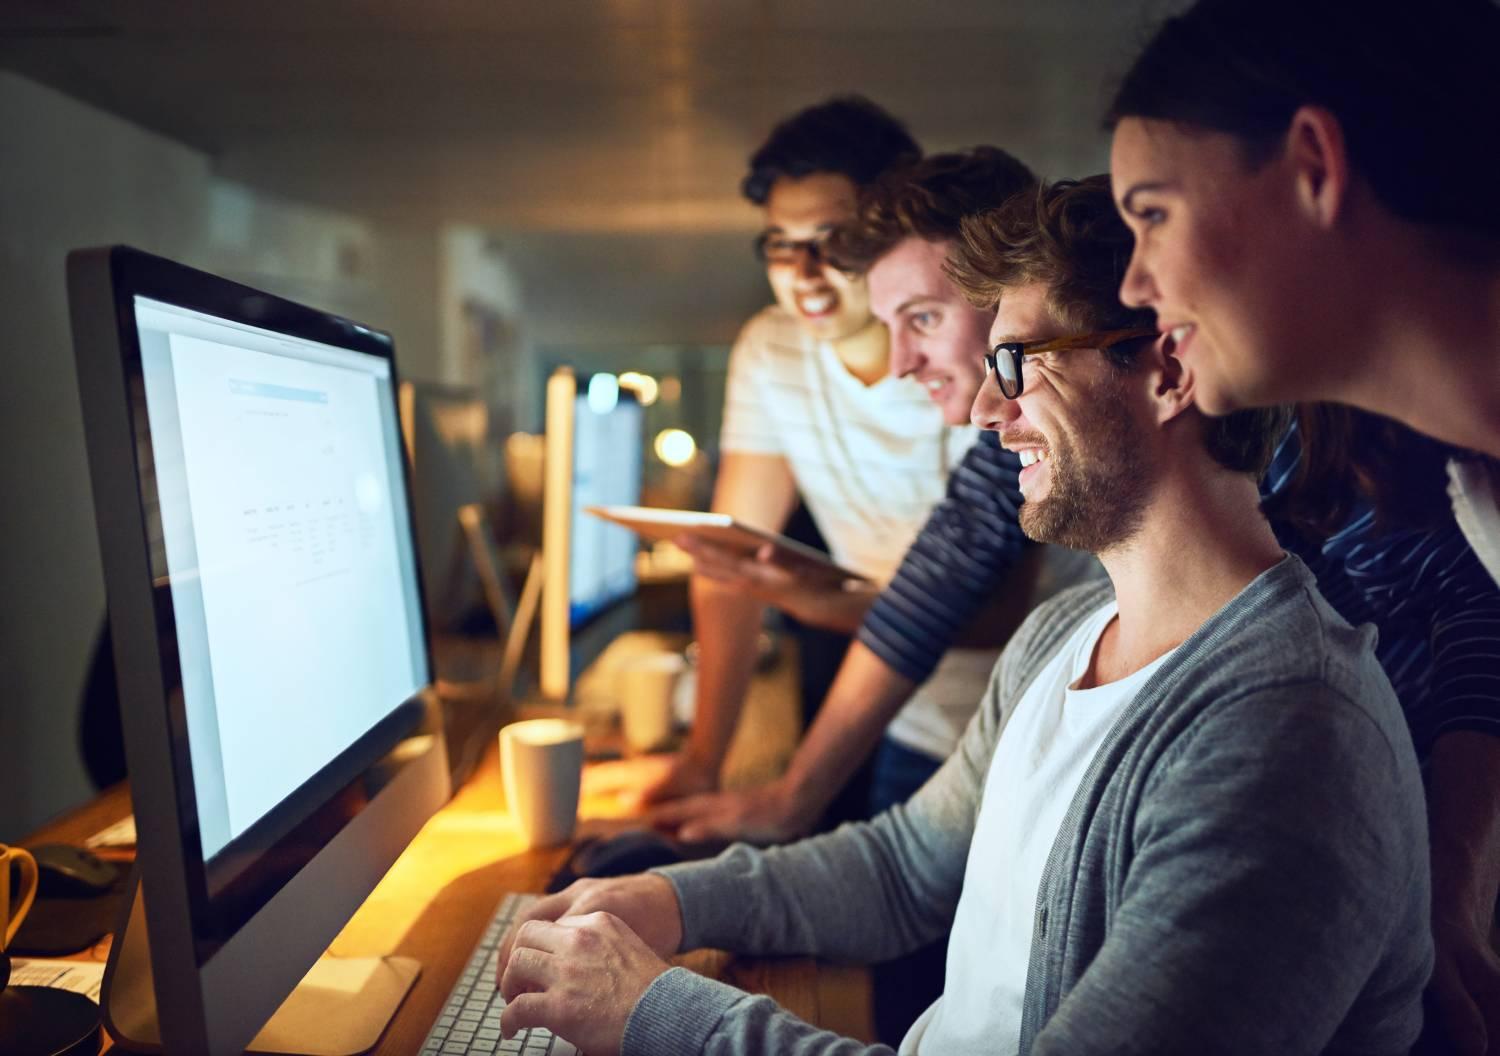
(772, 247)
(1004, 360)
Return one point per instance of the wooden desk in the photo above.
(441, 892)
(437, 897)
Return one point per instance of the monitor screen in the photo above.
(283, 738)
(607, 456)
(288, 555)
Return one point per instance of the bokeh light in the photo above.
(675, 447)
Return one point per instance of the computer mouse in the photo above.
(635, 851)
(65, 871)
(632, 851)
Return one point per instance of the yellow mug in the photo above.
(14, 905)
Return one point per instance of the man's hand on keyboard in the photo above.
(764, 815)
(646, 903)
(579, 977)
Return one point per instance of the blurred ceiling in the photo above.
(602, 139)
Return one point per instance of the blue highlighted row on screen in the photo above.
(275, 392)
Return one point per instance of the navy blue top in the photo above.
(1435, 606)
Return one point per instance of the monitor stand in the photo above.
(44, 1021)
(340, 1008)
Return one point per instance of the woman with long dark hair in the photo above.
(1310, 187)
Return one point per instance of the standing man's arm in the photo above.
(759, 490)
(1463, 797)
(864, 698)
(1464, 816)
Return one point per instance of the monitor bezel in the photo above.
(278, 846)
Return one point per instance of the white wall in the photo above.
(478, 282)
(72, 176)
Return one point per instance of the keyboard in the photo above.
(470, 1019)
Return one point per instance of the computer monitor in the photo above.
(593, 458)
(455, 464)
(282, 738)
(456, 483)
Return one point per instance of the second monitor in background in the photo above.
(455, 463)
(594, 453)
(457, 482)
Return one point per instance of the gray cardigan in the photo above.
(1243, 868)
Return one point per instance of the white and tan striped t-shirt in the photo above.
(870, 462)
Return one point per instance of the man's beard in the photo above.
(1094, 501)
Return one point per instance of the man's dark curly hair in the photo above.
(848, 135)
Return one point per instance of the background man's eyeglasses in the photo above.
(1004, 360)
(772, 248)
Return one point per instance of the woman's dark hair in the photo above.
(848, 135)
(1414, 86)
(1349, 455)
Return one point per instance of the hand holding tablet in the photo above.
(722, 530)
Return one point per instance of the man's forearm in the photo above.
(1464, 819)
(831, 608)
(684, 1012)
(864, 697)
(726, 624)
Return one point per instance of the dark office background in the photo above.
(501, 185)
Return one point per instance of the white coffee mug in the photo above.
(647, 686)
(542, 764)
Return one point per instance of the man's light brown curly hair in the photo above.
(927, 199)
(1066, 236)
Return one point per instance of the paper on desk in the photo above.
(81, 977)
(120, 834)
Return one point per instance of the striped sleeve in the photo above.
(968, 544)
(1464, 637)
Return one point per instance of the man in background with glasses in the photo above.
(1188, 816)
(811, 413)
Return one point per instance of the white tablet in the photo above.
(721, 529)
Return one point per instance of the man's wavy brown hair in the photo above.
(1069, 237)
(927, 199)
(1066, 236)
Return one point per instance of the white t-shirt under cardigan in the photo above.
(1040, 759)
